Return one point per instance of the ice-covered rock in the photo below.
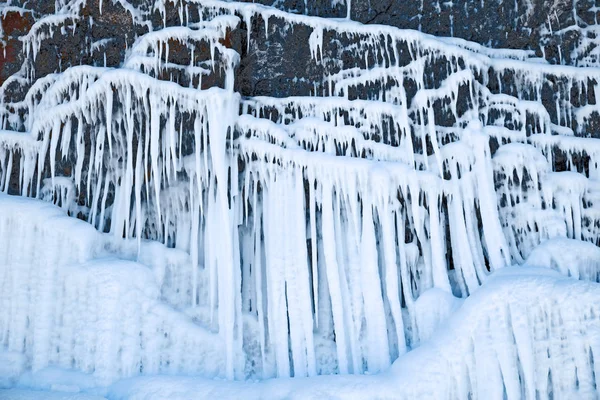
(334, 231)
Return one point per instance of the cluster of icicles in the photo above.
(314, 224)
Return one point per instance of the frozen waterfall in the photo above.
(406, 215)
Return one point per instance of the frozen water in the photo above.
(364, 230)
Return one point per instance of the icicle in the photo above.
(278, 320)
(154, 154)
(378, 351)
(461, 251)
(313, 245)
(496, 244)
(220, 116)
(333, 279)
(392, 291)
(258, 274)
(139, 171)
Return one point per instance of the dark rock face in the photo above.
(552, 30)
(277, 61)
(13, 24)
(98, 39)
(279, 66)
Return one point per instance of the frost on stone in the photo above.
(259, 237)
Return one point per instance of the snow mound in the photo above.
(581, 260)
(61, 306)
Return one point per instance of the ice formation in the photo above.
(258, 237)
